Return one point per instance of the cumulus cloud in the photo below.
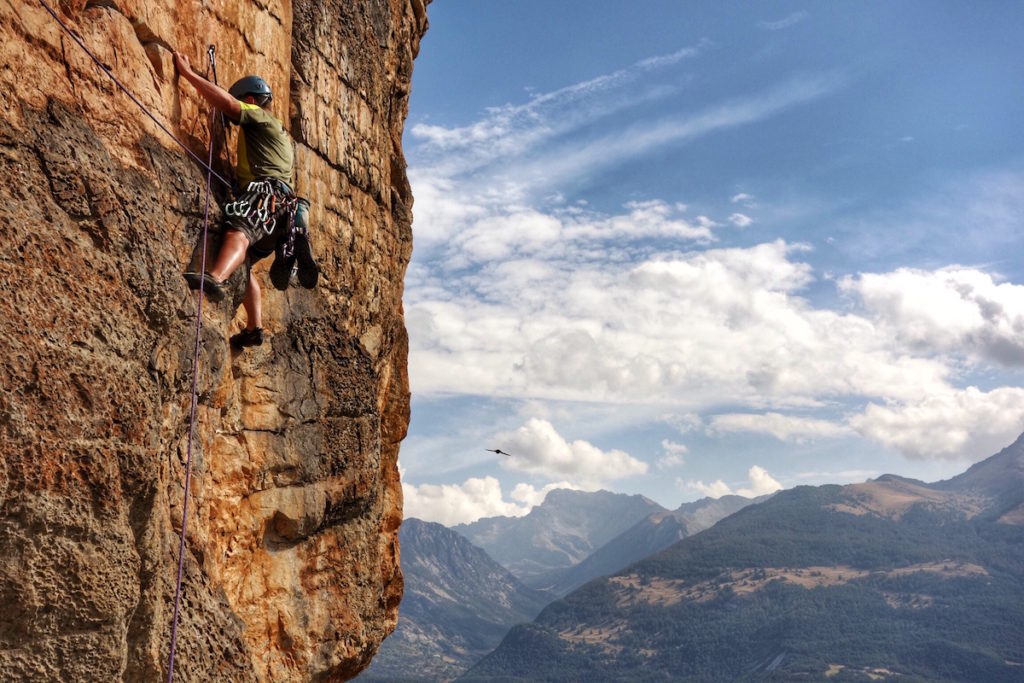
(475, 498)
(670, 461)
(952, 309)
(539, 449)
(451, 504)
(953, 424)
(691, 328)
(520, 232)
(516, 292)
(782, 427)
(759, 483)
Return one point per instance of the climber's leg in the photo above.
(231, 255)
(253, 304)
(252, 335)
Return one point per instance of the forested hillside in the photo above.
(889, 579)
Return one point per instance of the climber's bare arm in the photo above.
(218, 97)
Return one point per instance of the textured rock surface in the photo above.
(291, 572)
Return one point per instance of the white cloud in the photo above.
(645, 219)
(974, 215)
(670, 461)
(529, 495)
(451, 504)
(471, 182)
(759, 483)
(782, 427)
(952, 424)
(573, 160)
(473, 229)
(741, 220)
(691, 329)
(517, 292)
(672, 455)
(507, 132)
(715, 489)
(673, 447)
(539, 449)
(684, 423)
(674, 57)
(953, 309)
(786, 22)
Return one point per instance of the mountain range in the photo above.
(653, 533)
(458, 604)
(892, 579)
(558, 534)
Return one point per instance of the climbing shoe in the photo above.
(213, 289)
(247, 338)
(309, 272)
(281, 271)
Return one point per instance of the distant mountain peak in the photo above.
(574, 496)
(559, 533)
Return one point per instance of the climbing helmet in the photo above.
(251, 85)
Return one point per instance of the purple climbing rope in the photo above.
(210, 175)
(192, 411)
(192, 416)
(147, 112)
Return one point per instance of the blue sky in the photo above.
(688, 249)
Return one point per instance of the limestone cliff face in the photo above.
(292, 568)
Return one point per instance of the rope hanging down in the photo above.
(195, 375)
(207, 166)
(210, 174)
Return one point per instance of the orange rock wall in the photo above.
(292, 568)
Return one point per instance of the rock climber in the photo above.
(266, 217)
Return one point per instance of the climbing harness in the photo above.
(258, 206)
(262, 204)
(210, 174)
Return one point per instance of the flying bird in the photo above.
(498, 451)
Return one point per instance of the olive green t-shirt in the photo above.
(264, 148)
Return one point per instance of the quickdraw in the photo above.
(259, 206)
